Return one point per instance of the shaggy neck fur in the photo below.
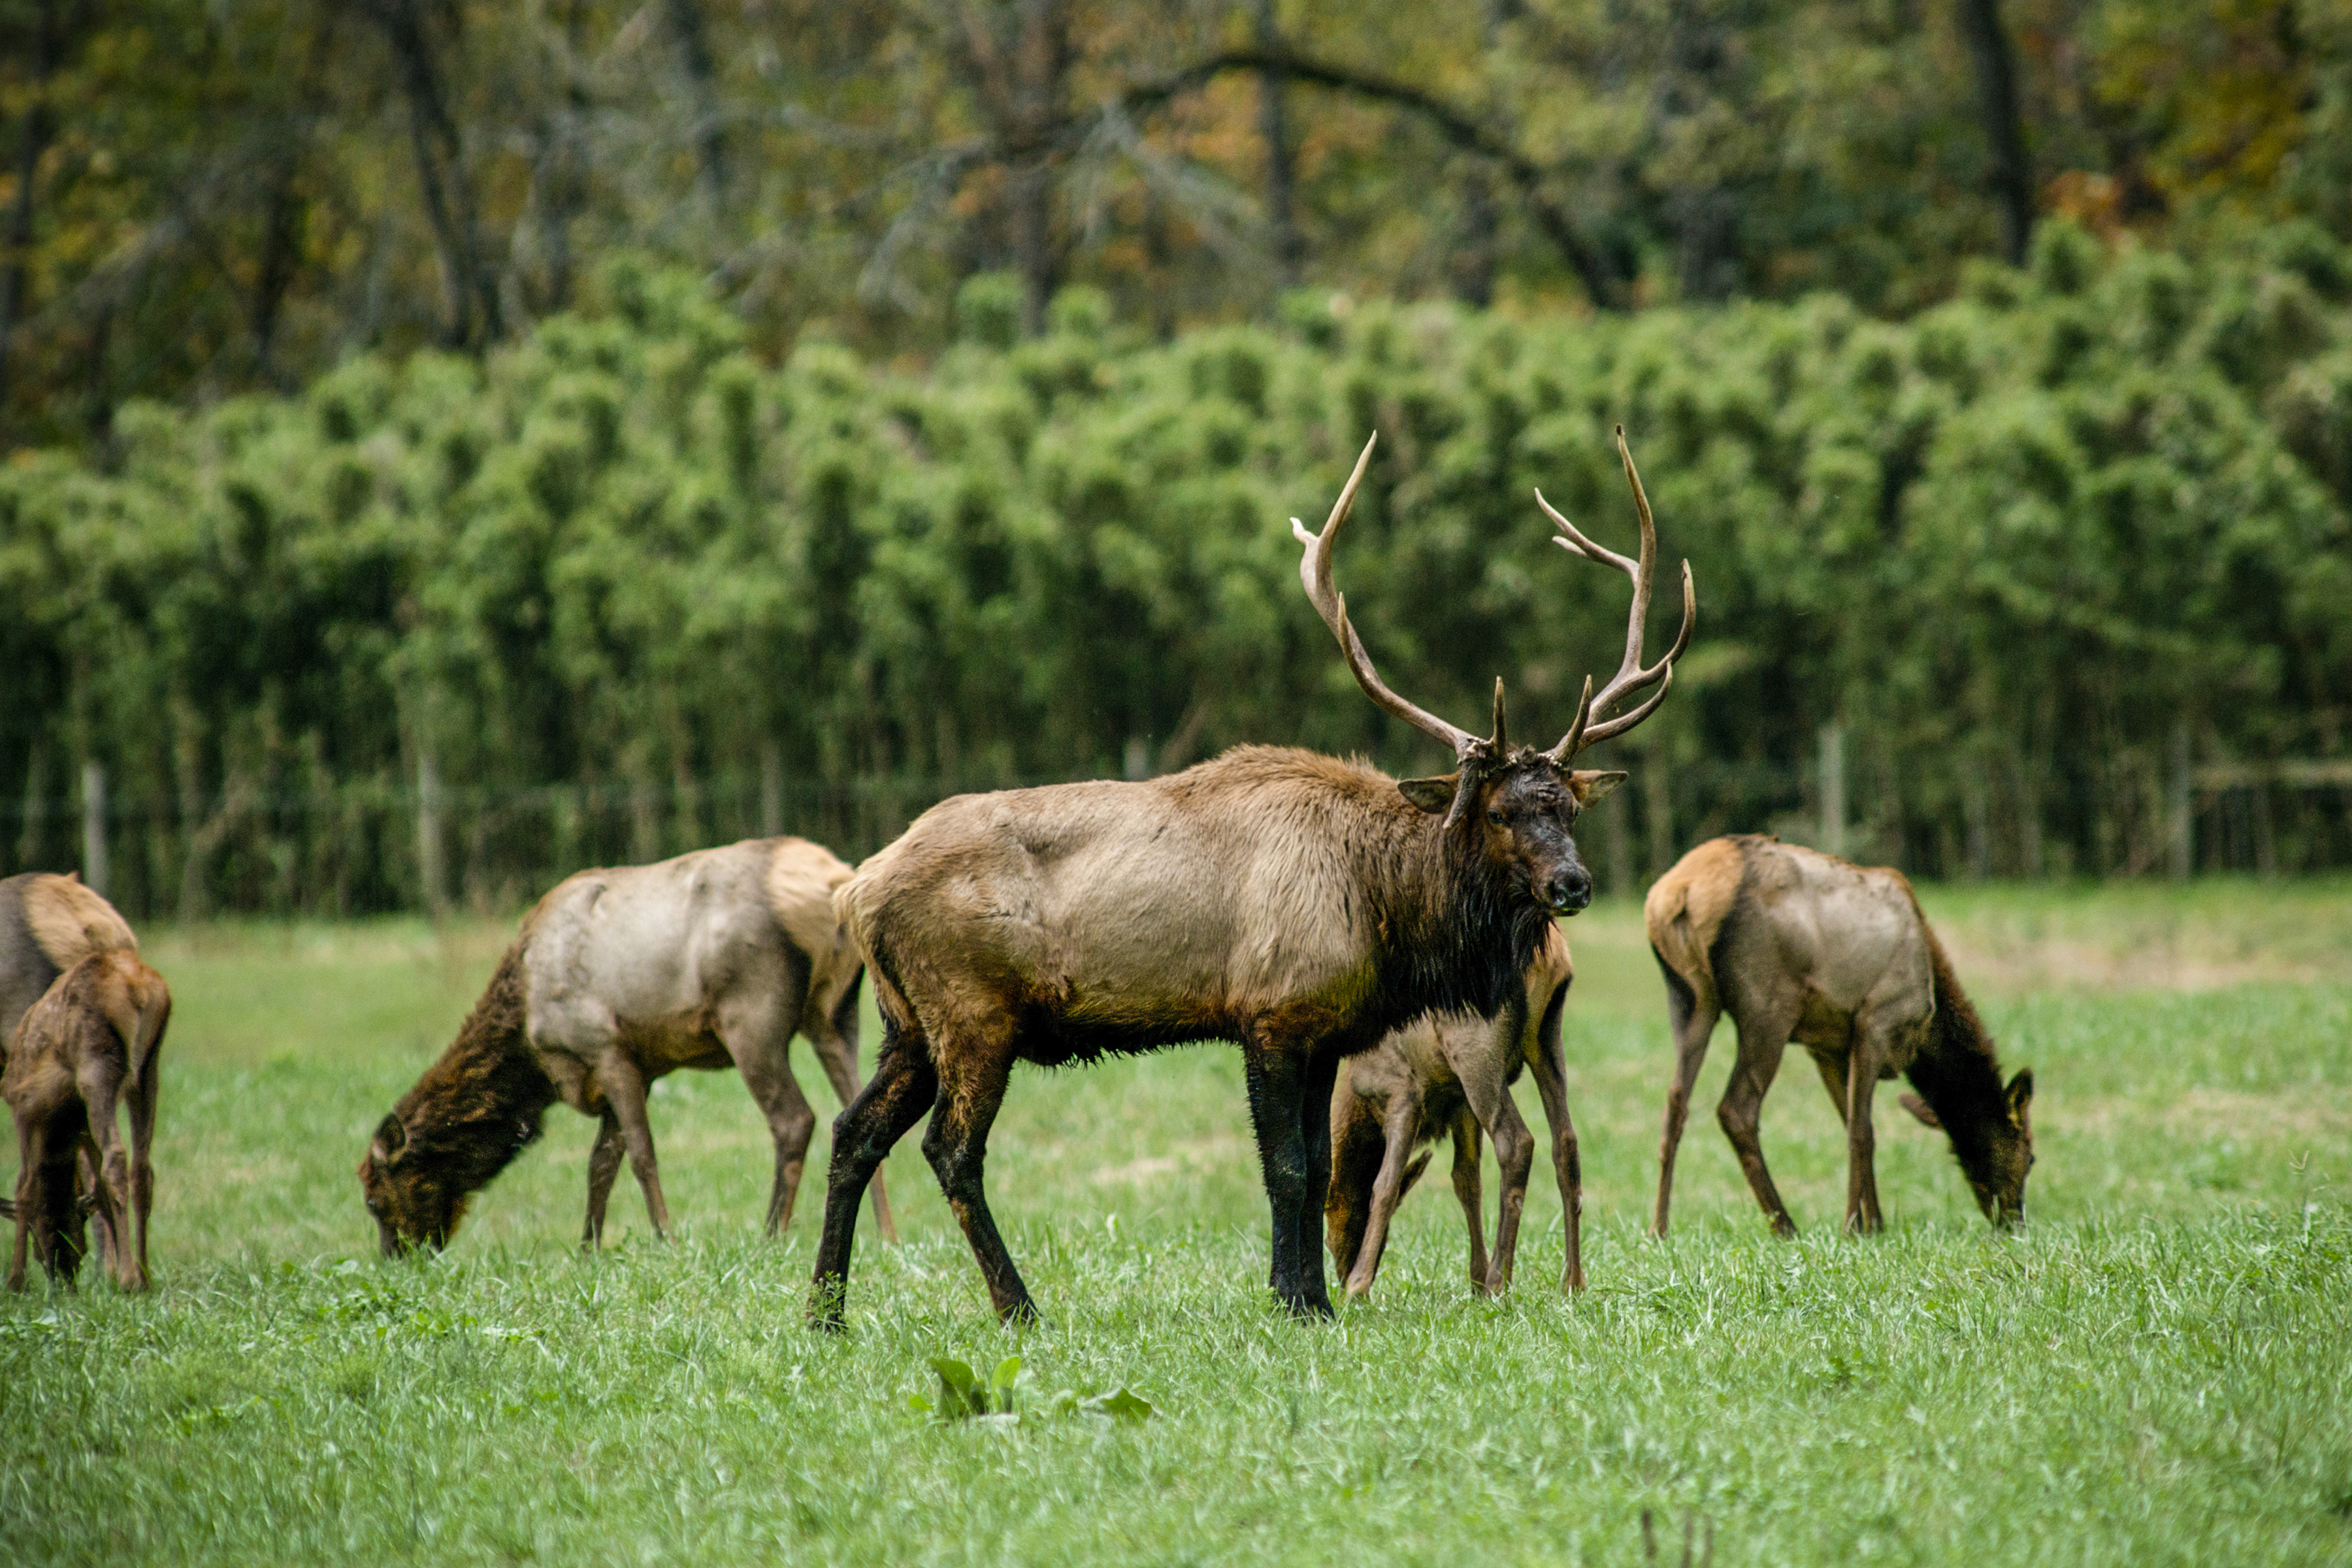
(1453, 934)
(474, 1111)
(1958, 1075)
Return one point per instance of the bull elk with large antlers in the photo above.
(1296, 904)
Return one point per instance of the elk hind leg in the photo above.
(1694, 1020)
(1398, 1133)
(756, 1028)
(1549, 1065)
(102, 1145)
(972, 1079)
(904, 1085)
(836, 1052)
(1763, 1037)
(1467, 1192)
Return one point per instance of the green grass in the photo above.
(2154, 1372)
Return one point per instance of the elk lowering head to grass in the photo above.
(618, 977)
(49, 923)
(1799, 945)
(85, 1051)
(1453, 1073)
(1298, 905)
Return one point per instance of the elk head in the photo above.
(1517, 803)
(1995, 1153)
(412, 1206)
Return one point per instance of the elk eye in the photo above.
(1494, 816)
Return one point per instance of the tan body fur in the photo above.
(49, 923)
(1804, 947)
(709, 960)
(81, 1054)
(1451, 1072)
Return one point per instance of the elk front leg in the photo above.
(972, 1079)
(624, 1091)
(1762, 1038)
(904, 1085)
(1278, 1076)
(1693, 1020)
(603, 1164)
(1467, 1193)
(837, 1054)
(1398, 1134)
(31, 1150)
(1861, 1214)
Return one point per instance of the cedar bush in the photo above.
(632, 590)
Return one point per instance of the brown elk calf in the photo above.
(1453, 1073)
(1799, 945)
(711, 960)
(49, 923)
(1298, 905)
(81, 1054)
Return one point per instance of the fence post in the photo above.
(430, 870)
(1833, 787)
(771, 790)
(94, 826)
(2180, 841)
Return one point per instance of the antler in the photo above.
(1315, 572)
(1631, 675)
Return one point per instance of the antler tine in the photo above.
(1631, 676)
(1315, 574)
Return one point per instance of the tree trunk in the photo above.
(685, 19)
(468, 291)
(2012, 169)
(286, 211)
(33, 137)
(1281, 214)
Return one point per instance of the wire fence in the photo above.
(421, 843)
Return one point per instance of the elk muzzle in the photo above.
(1569, 889)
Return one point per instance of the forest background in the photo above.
(449, 443)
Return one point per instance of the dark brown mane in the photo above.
(1957, 1071)
(477, 1106)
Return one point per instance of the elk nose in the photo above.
(1571, 891)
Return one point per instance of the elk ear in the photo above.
(1918, 1108)
(2021, 1098)
(391, 1139)
(1431, 796)
(1588, 787)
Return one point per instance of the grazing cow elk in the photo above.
(711, 960)
(82, 1053)
(1802, 946)
(1296, 904)
(1453, 1073)
(49, 923)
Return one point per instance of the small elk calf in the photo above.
(91, 1043)
(1453, 1073)
(1802, 946)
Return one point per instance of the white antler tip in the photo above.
(1299, 531)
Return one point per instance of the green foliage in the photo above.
(2149, 1371)
(610, 577)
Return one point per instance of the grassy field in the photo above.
(2154, 1371)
